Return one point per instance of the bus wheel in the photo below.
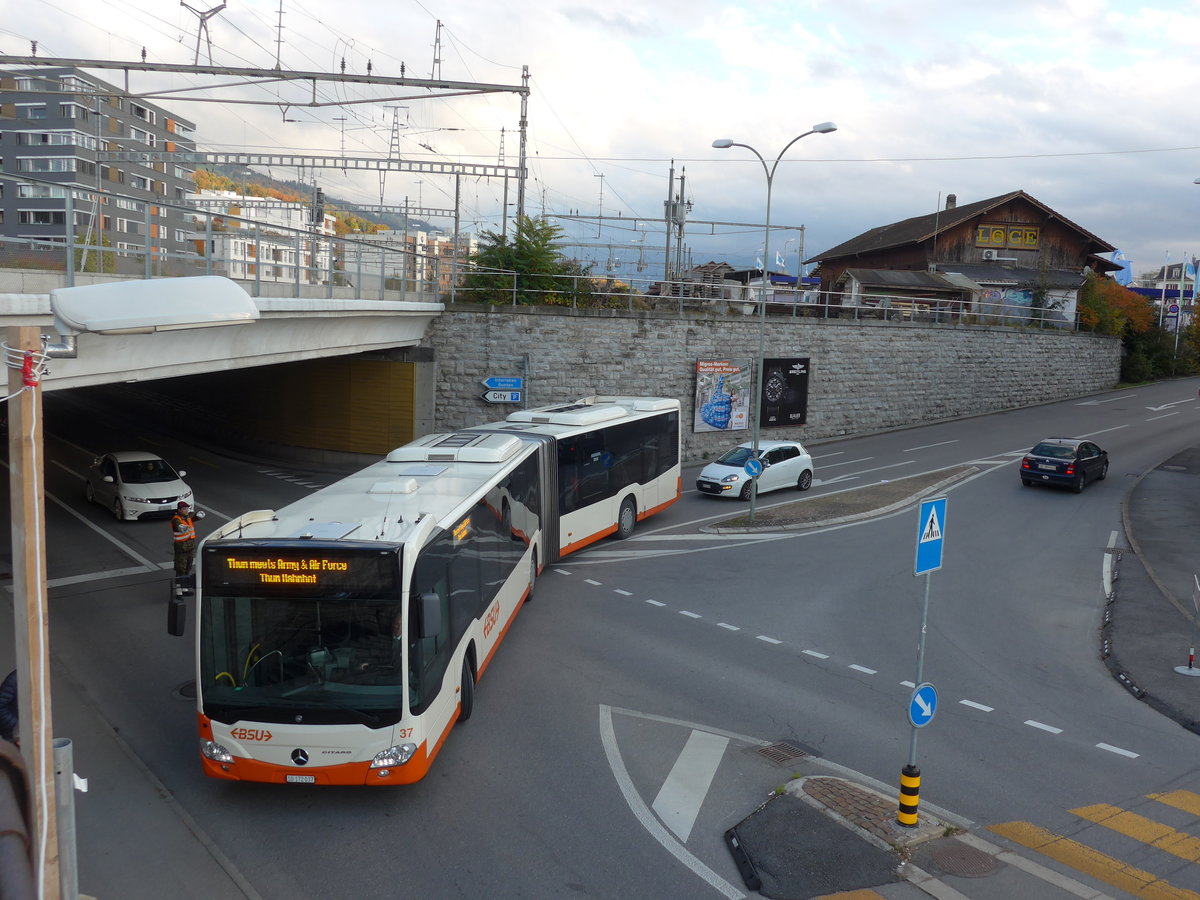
(627, 518)
(532, 575)
(467, 698)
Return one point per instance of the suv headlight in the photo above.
(393, 756)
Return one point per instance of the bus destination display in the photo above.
(269, 570)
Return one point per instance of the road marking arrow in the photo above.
(1169, 405)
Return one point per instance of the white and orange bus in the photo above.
(340, 637)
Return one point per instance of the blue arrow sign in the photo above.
(753, 467)
(931, 534)
(923, 705)
(504, 382)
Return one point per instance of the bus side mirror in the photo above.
(431, 615)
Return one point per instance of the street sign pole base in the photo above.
(1185, 670)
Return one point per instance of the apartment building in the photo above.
(53, 122)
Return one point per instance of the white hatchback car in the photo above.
(785, 464)
(136, 485)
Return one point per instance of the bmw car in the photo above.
(1064, 461)
(785, 464)
(136, 485)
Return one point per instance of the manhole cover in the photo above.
(955, 858)
(782, 752)
(186, 691)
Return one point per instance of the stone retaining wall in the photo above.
(864, 375)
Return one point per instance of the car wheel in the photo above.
(89, 492)
(1103, 472)
(1077, 485)
(805, 481)
(746, 489)
(466, 699)
(1026, 482)
(118, 510)
(627, 518)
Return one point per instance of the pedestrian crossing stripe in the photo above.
(1141, 884)
(932, 530)
(1149, 832)
(1187, 801)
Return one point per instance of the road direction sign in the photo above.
(931, 534)
(753, 467)
(1173, 309)
(503, 383)
(501, 396)
(922, 705)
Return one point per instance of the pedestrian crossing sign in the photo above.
(931, 533)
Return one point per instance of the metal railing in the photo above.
(269, 260)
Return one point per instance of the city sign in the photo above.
(501, 396)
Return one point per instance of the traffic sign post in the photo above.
(931, 536)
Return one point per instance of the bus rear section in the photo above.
(610, 462)
(340, 638)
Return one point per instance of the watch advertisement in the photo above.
(723, 391)
(784, 392)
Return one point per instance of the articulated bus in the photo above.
(340, 637)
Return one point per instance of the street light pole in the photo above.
(725, 144)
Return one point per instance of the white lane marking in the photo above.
(1049, 728)
(848, 462)
(679, 799)
(590, 581)
(1101, 431)
(690, 615)
(121, 545)
(726, 625)
(974, 705)
(562, 571)
(1117, 750)
(1163, 416)
(857, 668)
(769, 640)
(655, 603)
(101, 576)
(816, 654)
(927, 446)
(646, 818)
(622, 593)
(1106, 566)
(909, 684)
(1108, 400)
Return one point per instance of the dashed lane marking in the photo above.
(1119, 751)
(1050, 728)
(857, 668)
(978, 706)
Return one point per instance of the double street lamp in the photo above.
(725, 144)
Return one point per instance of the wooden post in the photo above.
(30, 608)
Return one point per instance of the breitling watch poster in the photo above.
(784, 393)
(723, 391)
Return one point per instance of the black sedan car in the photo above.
(1064, 461)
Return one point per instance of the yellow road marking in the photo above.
(1184, 800)
(1142, 829)
(1091, 862)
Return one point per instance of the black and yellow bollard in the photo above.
(910, 789)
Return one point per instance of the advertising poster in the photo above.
(723, 391)
(785, 392)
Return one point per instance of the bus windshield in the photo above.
(326, 651)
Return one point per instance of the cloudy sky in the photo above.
(1090, 106)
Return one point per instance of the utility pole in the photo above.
(32, 630)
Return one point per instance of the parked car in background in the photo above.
(1064, 461)
(136, 485)
(785, 464)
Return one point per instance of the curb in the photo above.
(965, 473)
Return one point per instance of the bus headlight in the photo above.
(214, 751)
(393, 756)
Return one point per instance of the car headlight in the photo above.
(186, 495)
(730, 479)
(393, 756)
(133, 498)
(214, 751)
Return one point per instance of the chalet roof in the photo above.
(964, 276)
(923, 228)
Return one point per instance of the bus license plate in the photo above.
(302, 779)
